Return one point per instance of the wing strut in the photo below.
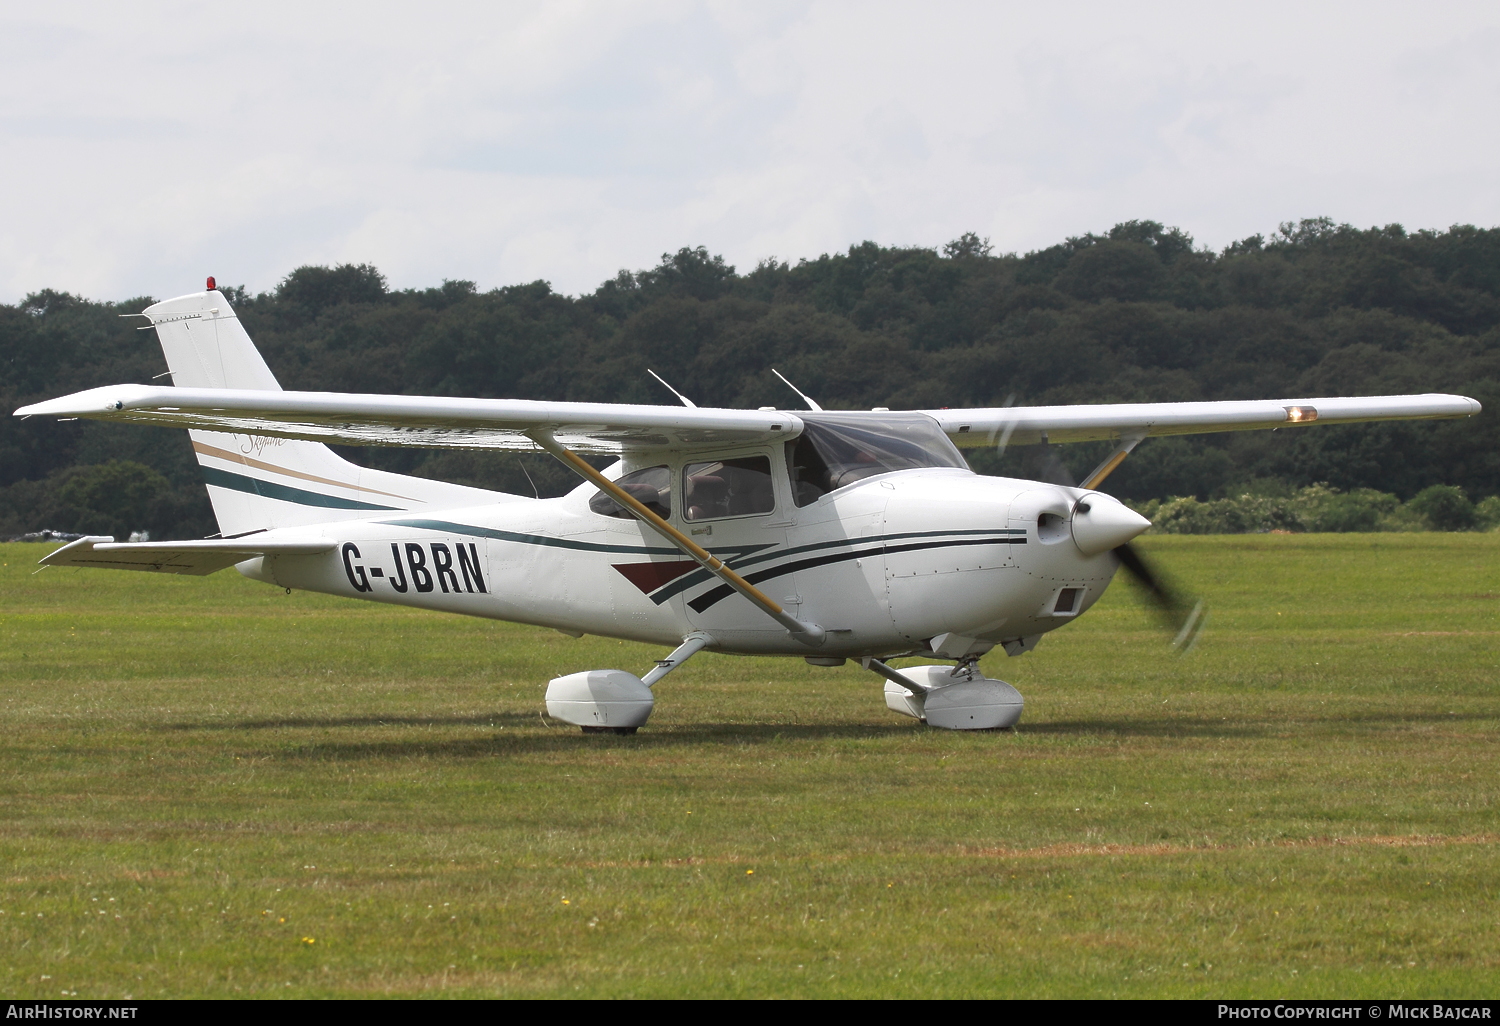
(807, 633)
(1113, 460)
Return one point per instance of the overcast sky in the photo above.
(144, 146)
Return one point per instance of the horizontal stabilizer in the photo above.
(197, 558)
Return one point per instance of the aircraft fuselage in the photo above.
(884, 565)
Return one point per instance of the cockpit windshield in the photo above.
(835, 450)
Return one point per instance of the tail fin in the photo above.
(256, 482)
(205, 345)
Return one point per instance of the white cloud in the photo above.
(144, 147)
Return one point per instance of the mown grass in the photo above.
(211, 788)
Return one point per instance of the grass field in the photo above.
(211, 788)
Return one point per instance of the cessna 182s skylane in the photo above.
(825, 535)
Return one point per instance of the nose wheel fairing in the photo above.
(955, 698)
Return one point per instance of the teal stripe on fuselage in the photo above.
(528, 539)
(255, 486)
(446, 527)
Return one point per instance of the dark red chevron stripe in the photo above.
(650, 576)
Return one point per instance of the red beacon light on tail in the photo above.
(211, 285)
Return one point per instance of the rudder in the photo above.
(258, 482)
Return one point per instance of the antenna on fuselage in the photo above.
(811, 405)
(685, 400)
(521, 462)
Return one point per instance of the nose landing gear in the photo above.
(955, 698)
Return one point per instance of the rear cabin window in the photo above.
(651, 487)
(728, 488)
(834, 450)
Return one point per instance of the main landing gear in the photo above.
(953, 697)
(613, 701)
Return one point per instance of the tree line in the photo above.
(1135, 314)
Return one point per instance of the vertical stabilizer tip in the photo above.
(211, 285)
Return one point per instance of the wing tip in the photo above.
(88, 541)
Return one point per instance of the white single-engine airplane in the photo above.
(825, 535)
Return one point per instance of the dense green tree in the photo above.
(1137, 313)
(1446, 507)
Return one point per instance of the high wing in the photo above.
(1028, 425)
(442, 422)
(423, 421)
(196, 558)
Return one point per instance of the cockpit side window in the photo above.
(651, 487)
(834, 451)
(728, 488)
(809, 472)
